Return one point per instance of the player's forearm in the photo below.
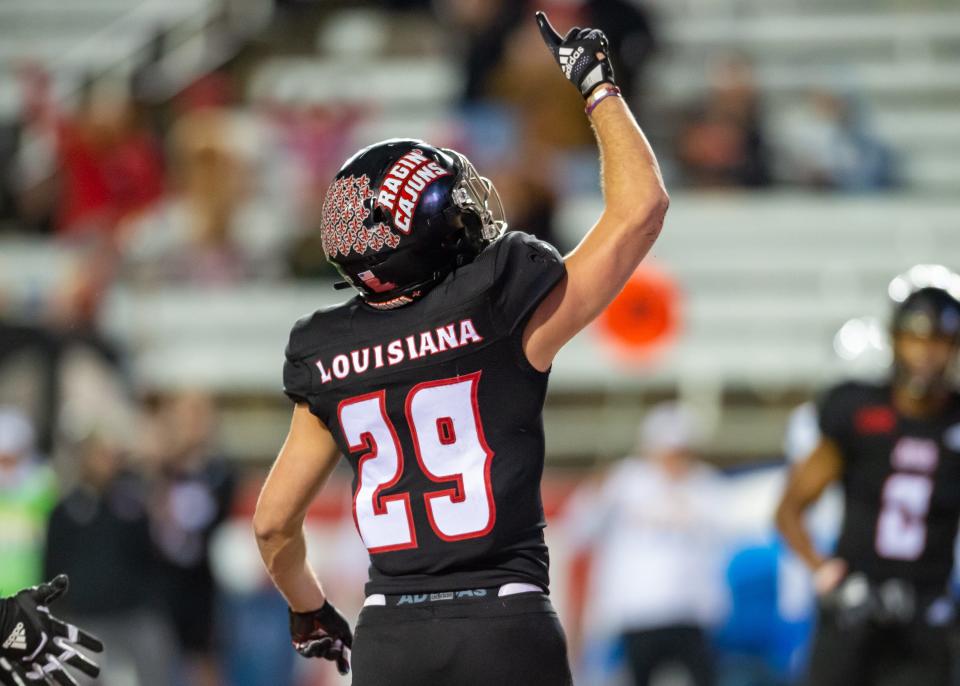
(285, 557)
(633, 190)
(789, 519)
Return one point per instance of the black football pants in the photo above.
(687, 646)
(512, 641)
(914, 654)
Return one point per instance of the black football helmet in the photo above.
(402, 214)
(926, 305)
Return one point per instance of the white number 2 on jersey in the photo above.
(902, 526)
(450, 447)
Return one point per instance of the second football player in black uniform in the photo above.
(896, 450)
(431, 382)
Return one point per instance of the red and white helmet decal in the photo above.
(404, 184)
(342, 224)
(374, 283)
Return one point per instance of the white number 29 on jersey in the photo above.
(450, 447)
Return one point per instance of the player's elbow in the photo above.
(651, 213)
(785, 513)
(640, 224)
(270, 525)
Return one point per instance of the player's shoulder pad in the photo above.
(830, 396)
(310, 330)
(307, 338)
(515, 247)
(525, 269)
(847, 391)
(840, 402)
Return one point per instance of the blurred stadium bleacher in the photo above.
(767, 277)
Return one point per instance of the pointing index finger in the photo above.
(549, 34)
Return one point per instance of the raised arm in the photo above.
(635, 200)
(306, 460)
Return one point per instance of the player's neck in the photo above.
(924, 406)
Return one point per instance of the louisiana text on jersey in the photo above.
(422, 344)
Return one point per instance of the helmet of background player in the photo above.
(402, 214)
(925, 328)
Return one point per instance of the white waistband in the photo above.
(516, 587)
(513, 588)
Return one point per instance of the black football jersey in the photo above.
(439, 414)
(901, 482)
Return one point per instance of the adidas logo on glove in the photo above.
(568, 58)
(17, 640)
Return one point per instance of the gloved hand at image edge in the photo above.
(35, 646)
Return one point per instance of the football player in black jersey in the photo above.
(895, 448)
(431, 383)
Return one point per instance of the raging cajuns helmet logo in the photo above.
(404, 184)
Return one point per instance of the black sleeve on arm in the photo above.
(297, 370)
(526, 270)
(834, 411)
(296, 380)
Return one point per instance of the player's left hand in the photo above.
(323, 633)
(35, 646)
(583, 55)
(828, 576)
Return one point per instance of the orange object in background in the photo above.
(644, 319)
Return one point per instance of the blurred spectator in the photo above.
(69, 375)
(81, 172)
(311, 144)
(27, 495)
(480, 28)
(29, 376)
(723, 144)
(212, 229)
(657, 572)
(192, 494)
(827, 143)
(110, 166)
(549, 112)
(99, 536)
(73, 306)
(532, 203)
(631, 30)
(92, 392)
(29, 154)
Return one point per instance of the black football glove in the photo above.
(11, 675)
(35, 646)
(583, 55)
(323, 633)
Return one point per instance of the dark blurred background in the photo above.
(162, 169)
